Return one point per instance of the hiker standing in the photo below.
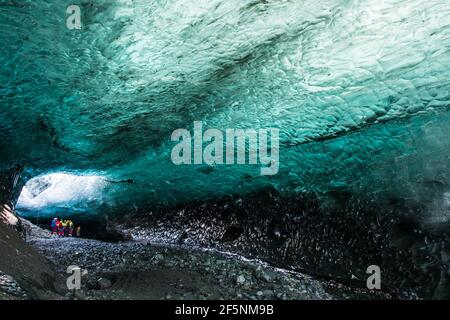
(54, 226)
(60, 228)
(70, 226)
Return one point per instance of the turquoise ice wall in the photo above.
(359, 90)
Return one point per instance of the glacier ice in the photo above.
(359, 91)
(57, 192)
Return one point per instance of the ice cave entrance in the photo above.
(60, 194)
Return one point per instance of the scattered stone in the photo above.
(80, 295)
(240, 280)
(11, 287)
(268, 293)
(128, 264)
(104, 283)
(158, 257)
(264, 275)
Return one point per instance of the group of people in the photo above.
(64, 228)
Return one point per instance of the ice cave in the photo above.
(359, 92)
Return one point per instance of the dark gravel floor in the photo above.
(146, 270)
(134, 270)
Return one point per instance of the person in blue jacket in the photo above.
(54, 226)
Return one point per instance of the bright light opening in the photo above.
(60, 191)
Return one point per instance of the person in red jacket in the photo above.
(60, 228)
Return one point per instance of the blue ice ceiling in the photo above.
(360, 91)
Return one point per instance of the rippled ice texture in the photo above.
(360, 91)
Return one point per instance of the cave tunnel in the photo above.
(120, 115)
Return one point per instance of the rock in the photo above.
(158, 257)
(104, 283)
(264, 276)
(10, 286)
(268, 293)
(182, 237)
(240, 280)
(80, 295)
(282, 296)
